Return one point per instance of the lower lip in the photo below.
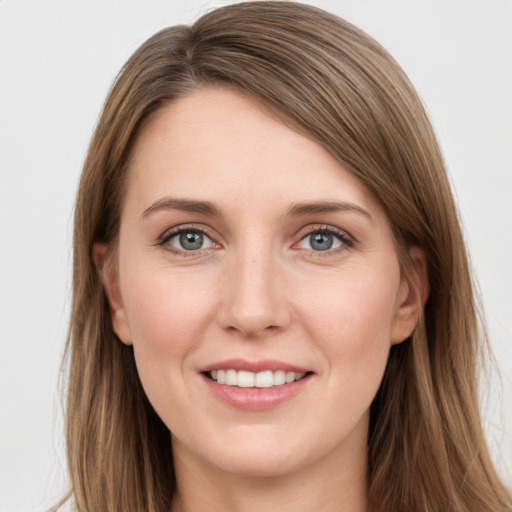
(256, 399)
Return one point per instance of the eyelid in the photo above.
(170, 233)
(346, 239)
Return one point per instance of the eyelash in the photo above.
(346, 240)
(168, 235)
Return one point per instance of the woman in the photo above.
(272, 306)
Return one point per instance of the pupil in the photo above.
(191, 240)
(321, 241)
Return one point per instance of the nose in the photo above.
(254, 296)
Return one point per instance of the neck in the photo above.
(335, 482)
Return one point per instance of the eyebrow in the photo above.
(184, 205)
(305, 208)
(210, 209)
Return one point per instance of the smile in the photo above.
(246, 379)
(256, 385)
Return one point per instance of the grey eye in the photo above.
(321, 241)
(190, 240)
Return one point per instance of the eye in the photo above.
(323, 240)
(188, 240)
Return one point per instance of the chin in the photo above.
(259, 465)
(251, 456)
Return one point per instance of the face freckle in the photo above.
(244, 241)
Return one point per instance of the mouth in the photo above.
(248, 379)
(256, 385)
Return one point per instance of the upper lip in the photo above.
(254, 366)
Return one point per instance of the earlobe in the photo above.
(108, 277)
(413, 294)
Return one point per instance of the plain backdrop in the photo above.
(57, 62)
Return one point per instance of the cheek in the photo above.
(353, 303)
(352, 325)
(351, 321)
(163, 306)
(167, 313)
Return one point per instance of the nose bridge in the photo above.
(254, 303)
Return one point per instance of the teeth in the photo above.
(231, 379)
(264, 379)
(244, 379)
(279, 377)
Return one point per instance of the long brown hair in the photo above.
(426, 447)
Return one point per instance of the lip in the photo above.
(254, 366)
(255, 399)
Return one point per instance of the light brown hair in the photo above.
(426, 447)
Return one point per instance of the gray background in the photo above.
(57, 61)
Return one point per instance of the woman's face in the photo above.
(247, 254)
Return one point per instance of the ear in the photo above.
(412, 296)
(108, 277)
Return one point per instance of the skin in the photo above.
(257, 290)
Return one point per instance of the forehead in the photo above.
(221, 145)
